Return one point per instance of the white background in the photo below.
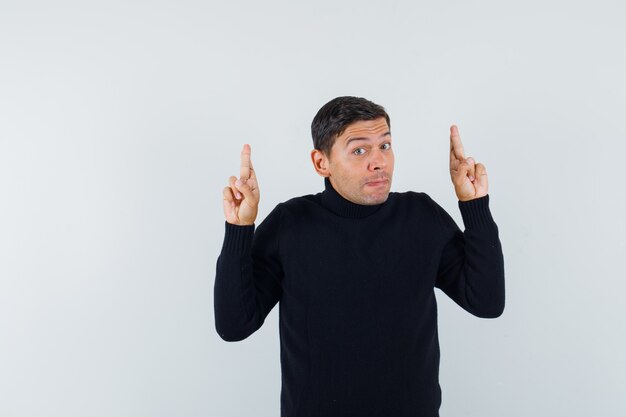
(120, 123)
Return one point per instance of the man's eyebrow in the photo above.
(388, 133)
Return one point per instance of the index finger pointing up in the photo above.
(456, 147)
(246, 164)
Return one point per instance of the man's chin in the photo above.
(373, 200)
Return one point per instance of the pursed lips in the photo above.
(377, 181)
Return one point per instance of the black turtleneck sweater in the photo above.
(358, 315)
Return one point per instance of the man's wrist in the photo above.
(475, 212)
(237, 238)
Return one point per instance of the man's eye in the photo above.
(359, 151)
(386, 146)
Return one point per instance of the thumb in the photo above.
(461, 174)
(481, 176)
(249, 196)
(472, 168)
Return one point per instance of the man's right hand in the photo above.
(241, 197)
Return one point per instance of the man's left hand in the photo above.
(469, 178)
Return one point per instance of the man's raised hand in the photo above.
(241, 197)
(469, 179)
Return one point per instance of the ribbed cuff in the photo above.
(476, 212)
(237, 239)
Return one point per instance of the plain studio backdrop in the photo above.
(120, 123)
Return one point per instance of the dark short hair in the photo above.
(333, 118)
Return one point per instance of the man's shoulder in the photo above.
(410, 197)
(301, 200)
(414, 207)
(297, 205)
(313, 201)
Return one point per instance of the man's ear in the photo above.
(320, 162)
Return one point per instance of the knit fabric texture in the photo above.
(355, 286)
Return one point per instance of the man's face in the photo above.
(361, 162)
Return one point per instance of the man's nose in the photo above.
(378, 160)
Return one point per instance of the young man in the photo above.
(354, 268)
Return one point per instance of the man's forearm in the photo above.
(472, 265)
(236, 315)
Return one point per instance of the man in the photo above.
(354, 268)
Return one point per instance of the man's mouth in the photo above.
(377, 182)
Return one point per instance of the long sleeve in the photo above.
(248, 278)
(471, 268)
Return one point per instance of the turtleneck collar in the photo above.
(334, 202)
